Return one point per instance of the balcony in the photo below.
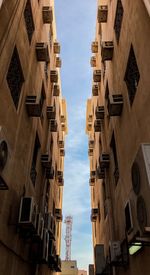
(62, 152)
(90, 152)
(46, 160)
(94, 214)
(100, 173)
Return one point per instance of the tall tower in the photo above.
(68, 237)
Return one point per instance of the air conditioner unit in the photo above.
(90, 152)
(90, 118)
(51, 112)
(58, 62)
(53, 125)
(49, 224)
(104, 160)
(45, 246)
(62, 152)
(56, 90)
(50, 173)
(42, 52)
(47, 13)
(93, 61)
(62, 119)
(115, 104)
(58, 214)
(56, 48)
(94, 47)
(63, 127)
(33, 106)
(97, 125)
(100, 262)
(61, 144)
(27, 214)
(89, 127)
(54, 76)
(39, 227)
(115, 251)
(99, 112)
(97, 75)
(107, 49)
(95, 90)
(140, 173)
(91, 144)
(3, 154)
(100, 173)
(59, 173)
(92, 181)
(93, 174)
(94, 214)
(102, 14)
(46, 160)
(60, 181)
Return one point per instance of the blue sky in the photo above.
(75, 31)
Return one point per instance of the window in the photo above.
(15, 77)
(46, 71)
(104, 200)
(132, 75)
(113, 147)
(29, 20)
(118, 19)
(106, 98)
(42, 98)
(33, 172)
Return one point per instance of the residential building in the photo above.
(69, 268)
(117, 124)
(82, 272)
(33, 125)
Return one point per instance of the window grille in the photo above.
(29, 20)
(118, 19)
(132, 76)
(15, 77)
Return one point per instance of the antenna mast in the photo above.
(68, 237)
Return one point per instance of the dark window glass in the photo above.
(128, 218)
(118, 19)
(113, 147)
(15, 77)
(132, 75)
(29, 20)
(33, 172)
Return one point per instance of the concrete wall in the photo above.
(19, 131)
(130, 129)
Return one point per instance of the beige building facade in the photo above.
(33, 125)
(82, 272)
(69, 268)
(117, 124)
